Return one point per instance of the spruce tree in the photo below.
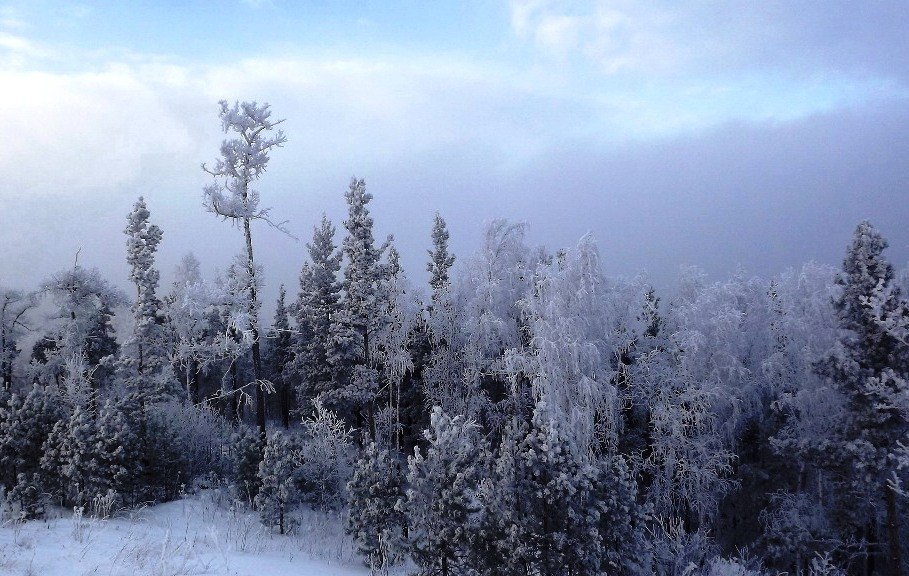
(279, 356)
(869, 366)
(315, 310)
(440, 260)
(358, 318)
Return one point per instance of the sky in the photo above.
(728, 135)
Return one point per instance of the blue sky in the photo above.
(710, 133)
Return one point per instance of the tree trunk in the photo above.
(254, 328)
(894, 558)
(194, 381)
(285, 404)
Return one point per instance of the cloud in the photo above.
(665, 167)
(670, 38)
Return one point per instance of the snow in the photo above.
(196, 535)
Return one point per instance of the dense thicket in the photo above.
(531, 415)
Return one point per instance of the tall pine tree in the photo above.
(315, 310)
(869, 366)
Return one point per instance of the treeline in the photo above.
(529, 415)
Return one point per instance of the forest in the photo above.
(525, 413)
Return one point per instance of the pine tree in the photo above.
(440, 260)
(279, 478)
(279, 356)
(118, 456)
(316, 308)
(442, 501)
(247, 450)
(55, 453)
(79, 451)
(143, 358)
(552, 509)
(358, 318)
(375, 519)
(869, 366)
(243, 160)
(27, 424)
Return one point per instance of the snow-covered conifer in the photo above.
(375, 518)
(279, 356)
(553, 508)
(358, 318)
(442, 505)
(869, 365)
(279, 477)
(26, 425)
(440, 259)
(143, 358)
(315, 310)
(247, 447)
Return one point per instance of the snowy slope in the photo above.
(190, 536)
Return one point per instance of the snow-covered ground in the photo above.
(196, 535)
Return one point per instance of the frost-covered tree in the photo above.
(315, 310)
(354, 328)
(869, 366)
(325, 458)
(552, 508)
(489, 290)
(375, 518)
(247, 449)
(279, 476)
(232, 196)
(440, 259)
(443, 376)
(392, 350)
(190, 311)
(143, 357)
(14, 308)
(24, 427)
(279, 356)
(566, 358)
(442, 505)
(81, 327)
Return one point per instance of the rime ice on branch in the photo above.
(243, 160)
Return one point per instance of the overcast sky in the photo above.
(718, 134)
